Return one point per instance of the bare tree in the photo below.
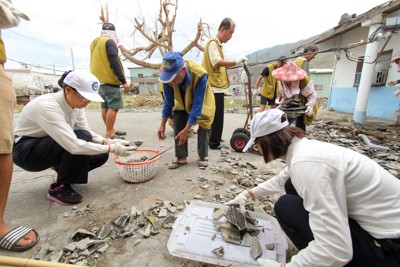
(159, 38)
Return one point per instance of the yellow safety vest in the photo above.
(99, 63)
(269, 88)
(196, 71)
(217, 77)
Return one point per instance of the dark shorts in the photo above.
(264, 100)
(112, 96)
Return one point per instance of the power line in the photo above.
(36, 66)
(37, 40)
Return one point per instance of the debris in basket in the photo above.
(141, 159)
(218, 251)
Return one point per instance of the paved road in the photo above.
(109, 196)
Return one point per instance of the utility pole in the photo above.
(72, 56)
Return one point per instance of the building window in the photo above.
(381, 69)
(140, 75)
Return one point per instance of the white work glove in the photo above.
(103, 141)
(269, 263)
(9, 16)
(240, 200)
(121, 150)
(309, 111)
(240, 60)
(99, 140)
(118, 141)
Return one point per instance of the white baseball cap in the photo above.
(264, 123)
(85, 83)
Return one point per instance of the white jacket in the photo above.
(50, 115)
(336, 183)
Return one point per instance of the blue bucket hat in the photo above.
(172, 64)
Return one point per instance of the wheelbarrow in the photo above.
(241, 136)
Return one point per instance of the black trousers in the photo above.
(37, 154)
(367, 251)
(203, 135)
(218, 124)
(299, 122)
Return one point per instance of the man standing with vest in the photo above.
(269, 90)
(189, 97)
(310, 52)
(107, 67)
(216, 66)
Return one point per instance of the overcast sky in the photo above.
(58, 29)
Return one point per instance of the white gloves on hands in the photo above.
(9, 16)
(103, 141)
(240, 60)
(118, 141)
(309, 111)
(121, 150)
(99, 140)
(269, 263)
(240, 200)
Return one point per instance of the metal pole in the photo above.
(72, 56)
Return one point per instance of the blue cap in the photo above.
(172, 64)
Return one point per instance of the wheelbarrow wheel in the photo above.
(239, 141)
(242, 130)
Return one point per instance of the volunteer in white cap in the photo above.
(340, 207)
(52, 132)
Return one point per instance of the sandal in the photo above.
(10, 239)
(120, 133)
(203, 164)
(176, 164)
(116, 136)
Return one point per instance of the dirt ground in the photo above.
(107, 196)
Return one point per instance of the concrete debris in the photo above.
(135, 212)
(270, 246)
(256, 250)
(81, 234)
(379, 144)
(218, 251)
(87, 245)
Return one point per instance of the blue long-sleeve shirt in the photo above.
(198, 97)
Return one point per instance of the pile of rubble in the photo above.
(380, 144)
(87, 244)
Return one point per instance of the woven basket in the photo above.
(141, 171)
